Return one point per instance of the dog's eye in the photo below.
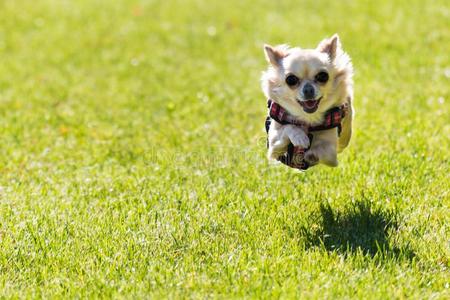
(322, 77)
(292, 80)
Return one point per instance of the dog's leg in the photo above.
(281, 135)
(346, 133)
(278, 141)
(323, 148)
(297, 136)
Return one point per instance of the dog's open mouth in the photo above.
(310, 106)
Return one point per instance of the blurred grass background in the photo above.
(133, 153)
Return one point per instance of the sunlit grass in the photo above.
(133, 153)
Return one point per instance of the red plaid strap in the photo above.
(333, 117)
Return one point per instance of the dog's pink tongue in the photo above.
(310, 103)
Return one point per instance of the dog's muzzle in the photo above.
(309, 98)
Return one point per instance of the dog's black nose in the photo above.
(308, 91)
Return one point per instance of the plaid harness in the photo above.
(294, 157)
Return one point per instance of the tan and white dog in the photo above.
(307, 83)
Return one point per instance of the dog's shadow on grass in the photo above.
(361, 227)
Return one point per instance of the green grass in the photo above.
(133, 153)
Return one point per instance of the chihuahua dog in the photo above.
(307, 83)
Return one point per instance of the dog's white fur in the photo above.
(305, 64)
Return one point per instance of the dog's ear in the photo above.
(274, 54)
(330, 46)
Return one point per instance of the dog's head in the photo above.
(307, 82)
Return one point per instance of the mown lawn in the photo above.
(133, 153)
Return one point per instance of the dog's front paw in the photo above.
(299, 138)
(272, 155)
(276, 150)
(311, 158)
(314, 156)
